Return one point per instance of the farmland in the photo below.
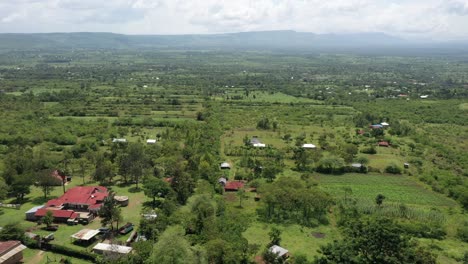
(204, 108)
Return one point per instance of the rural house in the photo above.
(232, 186)
(11, 252)
(255, 142)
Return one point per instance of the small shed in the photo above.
(225, 166)
(103, 248)
(424, 96)
(259, 145)
(119, 140)
(222, 181)
(356, 165)
(309, 146)
(281, 252)
(30, 214)
(406, 165)
(151, 141)
(385, 124)
(85, 235)
(121, 200)
(384, 144)
(376, 126)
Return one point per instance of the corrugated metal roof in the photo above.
(85, 234)
(112, 248)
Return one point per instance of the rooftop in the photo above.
(85, 234)
(233, 185)
(278, 250)
(9, 249)
(56, 213)
(112, 248)
(88, 195)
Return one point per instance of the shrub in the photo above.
(393, 168)
(462, 232)
(70, 252)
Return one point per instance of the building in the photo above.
(385, 124)
(281, 252)
(255, 142)
(151, 141)
(61, 216)
(85, 235)
(82, 202)
(424, 96)
(30, 214)
(225, 166)
(384, 144)
(11, 252)
(376, 126)
(309, 146)
(103, 248)
(232, 186)
(119, 140)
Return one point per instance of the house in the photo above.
(255, 142)
(385, 124)
(383, 144)
(30, 214)
(225, 166)
(309, 146)
(406, 165)
(11, 252)
(119, 140)
(424, 96)
(82, 202)
(222, 181)
(356, 165)
(233, 186)
(151, 141)
(281, 252)
(121, 200)
(103, 248)
(61, 216)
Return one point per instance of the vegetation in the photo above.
(350, 199)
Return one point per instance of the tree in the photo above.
(183, 185)
(83, 166)
(48, 219)
(301, 158)
(110, 212)
(379, 199)
(11, 231)
(374, 240)
(3, 189)
(241, 194)
(172, 248)
(154, 187)
(20, 187)
(46, 182)
(275, 236)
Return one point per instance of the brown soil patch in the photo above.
(230, 197)
(318, 235)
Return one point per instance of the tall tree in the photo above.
(110, 212)
(46, 182)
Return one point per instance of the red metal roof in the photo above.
(7, 246)
(233, 185)
(87, 195)
(384, 144)
(57, 213)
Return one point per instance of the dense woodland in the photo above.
(405, 203)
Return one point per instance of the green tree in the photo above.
(172, 248)
(275, 236)
(47, 182)
(110, 212)
(374, 240)
(154, 188)
(48, 219)
(12, 231)
(379, 199)
(241, 194)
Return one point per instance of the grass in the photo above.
(396, 188)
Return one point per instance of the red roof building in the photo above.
(83, 198)
(233, 186)
(384, 144)
(59, 215)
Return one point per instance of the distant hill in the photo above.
(245, 40)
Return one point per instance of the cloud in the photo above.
(429, 19)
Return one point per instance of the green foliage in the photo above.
(110, 211)
(287, 200)
(48, 219)
(378, 240)
(12, 231)
(393, 168)
(379, 199)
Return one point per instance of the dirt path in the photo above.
(37, 258)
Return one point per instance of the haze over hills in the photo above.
(263, 40)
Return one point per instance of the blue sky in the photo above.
(413, 19)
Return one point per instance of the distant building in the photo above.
(385, 124)
(424, 96)
(151, 141)
(30, 214)
(255, 142)
(309, 146)
(11, 252)
(225, 166)
(383, 144)
(376, 126)
(281, 252)
(232, 186)
(119, 140)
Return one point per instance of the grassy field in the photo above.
(396, 189)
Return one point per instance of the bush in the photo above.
(424, 230)
(369, 150)
(70, 252)
(393, 168)
(462, 232)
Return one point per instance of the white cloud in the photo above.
(436, 19)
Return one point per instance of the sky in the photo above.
(410, 19)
